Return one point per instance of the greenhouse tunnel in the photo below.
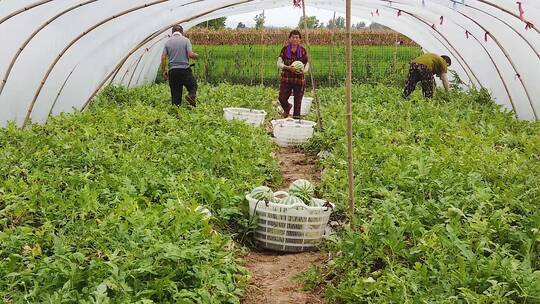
(56, 55)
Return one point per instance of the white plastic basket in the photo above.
(306, 105)
(294, 228)
(292, 132)
(251, 116)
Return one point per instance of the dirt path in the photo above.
(272, 272)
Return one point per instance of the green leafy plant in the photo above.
(100, 206)
(447, 194)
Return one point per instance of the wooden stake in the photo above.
(314, 87)
(349, 113)
(394, 68)
(206, 64)
(332, 50)
(262, 53)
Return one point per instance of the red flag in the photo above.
(297, 3)
(521, 11)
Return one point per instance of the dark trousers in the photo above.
(285, 90)
(178, 79)
(419, 73)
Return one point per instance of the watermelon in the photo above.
(302, 189)
(279, 196)
(204, 211)
(262, 193)
(291, 200)
(314, 203)
(298, 65)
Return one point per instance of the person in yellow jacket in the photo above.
(422, 69)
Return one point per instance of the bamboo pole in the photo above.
(57, 59)
(394, 66)
(349, 113)
(153, 35)
(464, 63)
(206, 64)
(115, 71)
(332, 50)
(262, 53)
(507, 55)
(146, 40)
(24, 9)
(314, 86)
(206, 69)
(34, 34)
(500, 8)
(134, 70)
(87, 31)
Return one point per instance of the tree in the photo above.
(312, 22)
(360, 25)
(259, 21)
(241, 25)
(218, 23)
(339, 22)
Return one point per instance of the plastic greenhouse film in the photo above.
(69, 51)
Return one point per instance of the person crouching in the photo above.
(422, 69)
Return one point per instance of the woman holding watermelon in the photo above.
(293, 63)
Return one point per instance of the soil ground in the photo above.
(272, 273)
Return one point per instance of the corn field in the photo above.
(206, 36)
(249, 56)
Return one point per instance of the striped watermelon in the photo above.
(291, 200)
(262, 193)
(206, 213)
(298, 65)
(279, 196)
(302, 189)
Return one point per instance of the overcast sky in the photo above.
(286, 16)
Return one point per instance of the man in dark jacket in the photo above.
(179, 50)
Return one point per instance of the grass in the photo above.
(251, 64)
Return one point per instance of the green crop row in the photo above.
(99, 207)
(447, 200)
(256, 64)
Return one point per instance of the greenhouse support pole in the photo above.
(394, 68)
(262, 52)
(349, 113)
(315, 96)
(332, 51)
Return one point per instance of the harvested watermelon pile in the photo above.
(301, 191)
